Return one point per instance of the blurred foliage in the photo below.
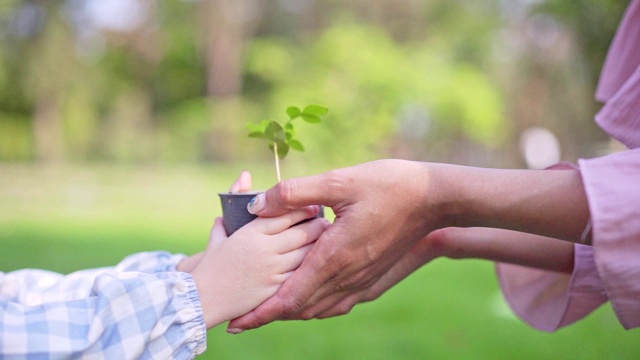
(368, 78)
(594, 21)
(414, 79)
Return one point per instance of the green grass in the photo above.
(66, 219)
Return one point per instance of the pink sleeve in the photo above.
(623, 56)
(608, 270)
(619, 84)
(549, 300)
(620, 116)
(612, 184)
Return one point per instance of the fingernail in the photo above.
(235, 331)
(256, 204)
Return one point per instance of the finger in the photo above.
(276, 225)
(218, 235)
(243, 183)
(295, 193)
(341, 308)
(280, 278)
(248, 321)
(292, 260)
(303, 234)
(322, 306)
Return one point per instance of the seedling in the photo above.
(282, 137)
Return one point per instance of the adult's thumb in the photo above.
(293, 194)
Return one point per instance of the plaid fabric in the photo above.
(140, 309)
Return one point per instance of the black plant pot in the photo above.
(234, 210)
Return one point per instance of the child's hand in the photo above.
(238, 273)
(242, 184)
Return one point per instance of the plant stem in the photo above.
(275, 152)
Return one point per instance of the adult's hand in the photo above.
(426, 250)
(382, 209)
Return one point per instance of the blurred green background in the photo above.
(120, 120)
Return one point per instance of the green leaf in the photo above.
(283, 149)
(262, 126)
(293, 112)
(295, 144)
(257, 134)
(312, 119)
(315, 110)
(289, 131)
(284, 136)
(274, 131)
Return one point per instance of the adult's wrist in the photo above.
(447, 196)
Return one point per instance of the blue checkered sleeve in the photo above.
(140, 309)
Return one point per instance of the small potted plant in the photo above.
(281, 138)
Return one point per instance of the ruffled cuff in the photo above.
(549, 300)
(611, 183)
(198, 331)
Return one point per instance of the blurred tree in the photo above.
(227, 25)
(46, 51)
(16, 108)
(590, 26)
(593, 21)
(140, 80)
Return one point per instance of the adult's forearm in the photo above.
(504, 246)
(550, 203)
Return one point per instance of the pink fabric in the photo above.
(620, 116)
(613, 189)
(624, 54)
(610, 269)
(541, 298)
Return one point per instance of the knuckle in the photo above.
(338, 181)
(353, 282)
(329, 314)
(256, 322)
(286, 190)
(290, 307)
(346, 308)
(307, 315)
(370, 296)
